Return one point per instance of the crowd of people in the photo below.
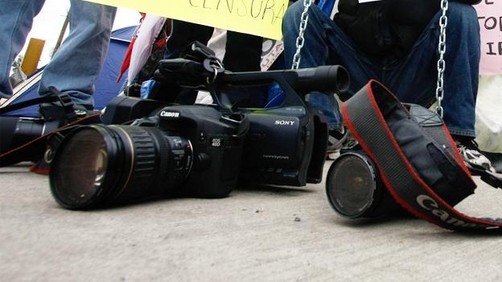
(393, 41)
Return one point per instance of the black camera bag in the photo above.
(416, 157)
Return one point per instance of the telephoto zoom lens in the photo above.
(98, 165)
(354, 188)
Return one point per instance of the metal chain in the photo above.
(300, 40)
(443, 22)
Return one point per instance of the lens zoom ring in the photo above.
(144, 166)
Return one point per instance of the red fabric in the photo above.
(127, 56)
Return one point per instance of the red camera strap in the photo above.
(367, 115)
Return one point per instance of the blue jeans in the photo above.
(16, 18)
(77, 63)
(413, 78)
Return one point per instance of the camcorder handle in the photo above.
(188, 73)
(326, 79)
(200, 69)
(197, 67)
(294, 83)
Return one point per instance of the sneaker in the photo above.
(54, 111)
(350, 144)
(495, 159)
(336, 138)
(473, 158)
(63, 108)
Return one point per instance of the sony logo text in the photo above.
(284, 122)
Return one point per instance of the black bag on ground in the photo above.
(409, 154)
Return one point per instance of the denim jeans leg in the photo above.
(462, 69)
(418, 84)
(76, 65)
(17, 19)
(324, 44)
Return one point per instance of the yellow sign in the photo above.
(258, 17)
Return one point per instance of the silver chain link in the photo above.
(443, 22)
(300, 40)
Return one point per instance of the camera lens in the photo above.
(20, 131)
(353, 187)
(99, 164)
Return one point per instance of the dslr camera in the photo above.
(165, 144)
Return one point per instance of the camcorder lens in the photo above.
(97, 165)
(353, 188)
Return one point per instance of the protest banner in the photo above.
(257, 17)
(490, 21)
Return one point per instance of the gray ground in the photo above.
(263, 234)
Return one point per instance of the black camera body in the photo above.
(280, 147)
(217, 141)
(184, 150)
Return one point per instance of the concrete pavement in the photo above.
(256, 234)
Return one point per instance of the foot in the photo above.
(473, 158)
(336, 138)
(54, 111)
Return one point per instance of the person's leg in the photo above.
(242, 52)
(461, 82)
(76, 65)
(461, 78)
(461, 75)
(183, 34)
(17, 19)
(325, 44)
(415, 79)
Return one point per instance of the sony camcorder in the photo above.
(150, 147)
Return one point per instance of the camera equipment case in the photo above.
(415, 157)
